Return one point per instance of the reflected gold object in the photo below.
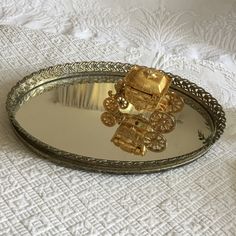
(129, 135)
(147, 90)
(136, 134)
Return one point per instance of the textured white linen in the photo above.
(195, 39)
(202, 29)
(40, 198)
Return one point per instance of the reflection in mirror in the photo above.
(68, 118)
(83, 96)
(147, 90)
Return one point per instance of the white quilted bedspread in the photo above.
(195, 39)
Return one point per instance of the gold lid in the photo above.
(148, 80)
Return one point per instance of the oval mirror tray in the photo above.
(56, 112)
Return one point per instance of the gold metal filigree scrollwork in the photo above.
(147, 91)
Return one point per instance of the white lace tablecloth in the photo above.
(186, 38)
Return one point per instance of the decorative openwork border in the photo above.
(23, 90)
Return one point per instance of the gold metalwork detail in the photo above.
(148, 91)
(108, 119)
(171, 103)
(143, 87)
(155, 142)
(129, 135)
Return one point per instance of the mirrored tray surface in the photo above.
(57, 110)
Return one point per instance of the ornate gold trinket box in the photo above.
(145, 90)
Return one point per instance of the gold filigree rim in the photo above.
(56, 75)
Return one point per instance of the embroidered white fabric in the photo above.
(195, 39)
(40, 198)
(195, 29)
